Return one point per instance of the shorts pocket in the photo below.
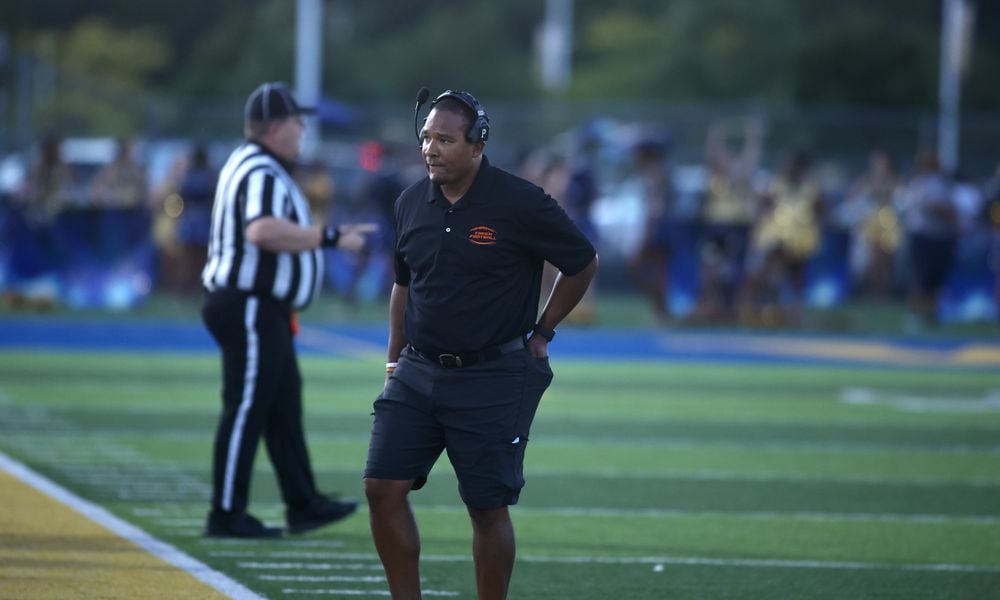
(518, 448)
(543, 374)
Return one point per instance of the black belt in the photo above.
(467, 359)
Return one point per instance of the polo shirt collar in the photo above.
(477, 192)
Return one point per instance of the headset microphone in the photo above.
(422, 96)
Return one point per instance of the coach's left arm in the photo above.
(567, 292)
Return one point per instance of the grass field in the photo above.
(645, 479)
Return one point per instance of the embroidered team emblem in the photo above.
(483, 235)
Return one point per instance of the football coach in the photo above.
(467, 358)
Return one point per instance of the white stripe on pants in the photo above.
(249, 387)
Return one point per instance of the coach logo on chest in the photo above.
(483, 236)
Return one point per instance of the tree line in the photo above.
(870, 53)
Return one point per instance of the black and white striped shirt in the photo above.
(254, 184)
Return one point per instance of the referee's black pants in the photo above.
(261, 395)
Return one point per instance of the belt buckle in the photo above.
(450, 361)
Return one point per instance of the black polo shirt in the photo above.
(474, 269)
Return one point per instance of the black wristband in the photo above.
(545, 332)
(331, 235)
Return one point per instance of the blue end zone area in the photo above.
(368, 341)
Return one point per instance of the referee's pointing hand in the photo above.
(354, 236)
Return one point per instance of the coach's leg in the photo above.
(394, 531)
(492, 550)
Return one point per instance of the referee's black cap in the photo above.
(273, 100)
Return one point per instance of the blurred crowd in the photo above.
(108, 229)
(730, 241)
(726, 240)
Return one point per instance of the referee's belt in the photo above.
(467, 359)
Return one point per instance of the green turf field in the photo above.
(645, 480)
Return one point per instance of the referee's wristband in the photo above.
(331, 235)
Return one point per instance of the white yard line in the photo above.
(904, 401)
(707, 475)
(340, 344)
(350, 592)
(650, 560)
(667, 513)
(680, 442)
(656, 513)
(325, 578)
(766, 563)
(127, 531)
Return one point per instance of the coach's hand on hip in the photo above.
(538, 346)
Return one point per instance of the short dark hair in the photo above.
(456, 106)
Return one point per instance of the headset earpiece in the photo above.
(480, 129)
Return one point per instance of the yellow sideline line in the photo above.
(54, 544)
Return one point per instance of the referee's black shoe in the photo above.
(238, 525)
(321, 511)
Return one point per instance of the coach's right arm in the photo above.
(397, 312)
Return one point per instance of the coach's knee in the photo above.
(490, 518)
(386, 492)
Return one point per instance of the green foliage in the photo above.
(729, 51)
(981, 83)
(809, 51)
(254, 43)
(100, 70)
(868, 58)
(482, 46)
(615, 52)
(856, 52)
(689, 50)
(127, 57)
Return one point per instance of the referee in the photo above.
(265, 263)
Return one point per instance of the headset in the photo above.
(479, 131)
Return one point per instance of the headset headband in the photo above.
(479, 131)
